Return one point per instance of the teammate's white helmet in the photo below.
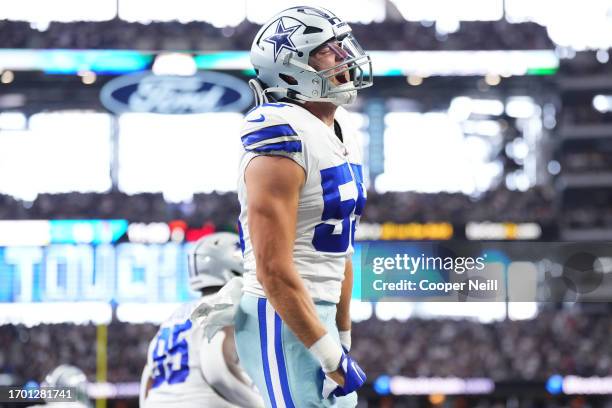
(281, 49)
(215, 260)
(69, 376)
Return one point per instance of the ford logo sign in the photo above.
(169, 94)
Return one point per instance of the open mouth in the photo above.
(342, 77)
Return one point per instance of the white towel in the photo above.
(217, 311)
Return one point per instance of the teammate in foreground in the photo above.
(183, 369)
(64, 376)
(301, 194)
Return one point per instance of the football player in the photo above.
(301, 194)
(183, 368)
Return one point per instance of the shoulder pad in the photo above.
(266, 130)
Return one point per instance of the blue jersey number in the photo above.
(169, 351)
(335, 208)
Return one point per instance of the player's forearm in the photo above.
(289, 297)
(343, 315)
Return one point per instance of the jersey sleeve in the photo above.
(266, 132)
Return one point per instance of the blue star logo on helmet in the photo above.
(282, 38)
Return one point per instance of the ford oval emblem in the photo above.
(203, 92)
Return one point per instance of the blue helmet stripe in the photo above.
(269, 132)
(288, 147)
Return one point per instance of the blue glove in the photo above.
(354, 378)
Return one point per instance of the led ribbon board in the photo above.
(385, 63)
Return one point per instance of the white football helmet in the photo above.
(69, 376)
(214, 260)
(281, 50)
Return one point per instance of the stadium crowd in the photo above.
(553, 343)
(587, 162)
(584, 115)
(587, 208)
(388, 35)
(556, 342)
(223, 208)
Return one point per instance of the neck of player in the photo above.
(325, 111)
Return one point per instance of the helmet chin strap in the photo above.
(258, 92)
(338, 98)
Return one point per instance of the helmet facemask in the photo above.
(351, 73)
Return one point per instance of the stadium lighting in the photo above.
(24, 232)
(464, 63)
(414, 80)
(32, 314)
(492, 107)
(522, 310)
(145, 312)
(574, 25)
(445, 10)
(602, 103)
(174, 63)
(518, 180)
(519, 148)
(41, 12)
(602, 56)
(461, 107)
(579, 25)
(232, 12)
(520, 11)
(459, 165)
(191, 166)
(7, 77)
(554, 167)
(360, 310)
(521, 107)
(400, 311)
(484, 312)
(447, 26)
(51, 166)
(88, 77)
(482, 127)
(492, 79)
(370, 11)
(387, 63)
(13, 121)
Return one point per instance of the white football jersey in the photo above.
(331, 200)
(174, 361)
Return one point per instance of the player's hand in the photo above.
(346, 379)
(337, 377)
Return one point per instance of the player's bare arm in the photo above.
(343, 315)
(273, 188)
(231, 357)
(149, 386)
(146, 383)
